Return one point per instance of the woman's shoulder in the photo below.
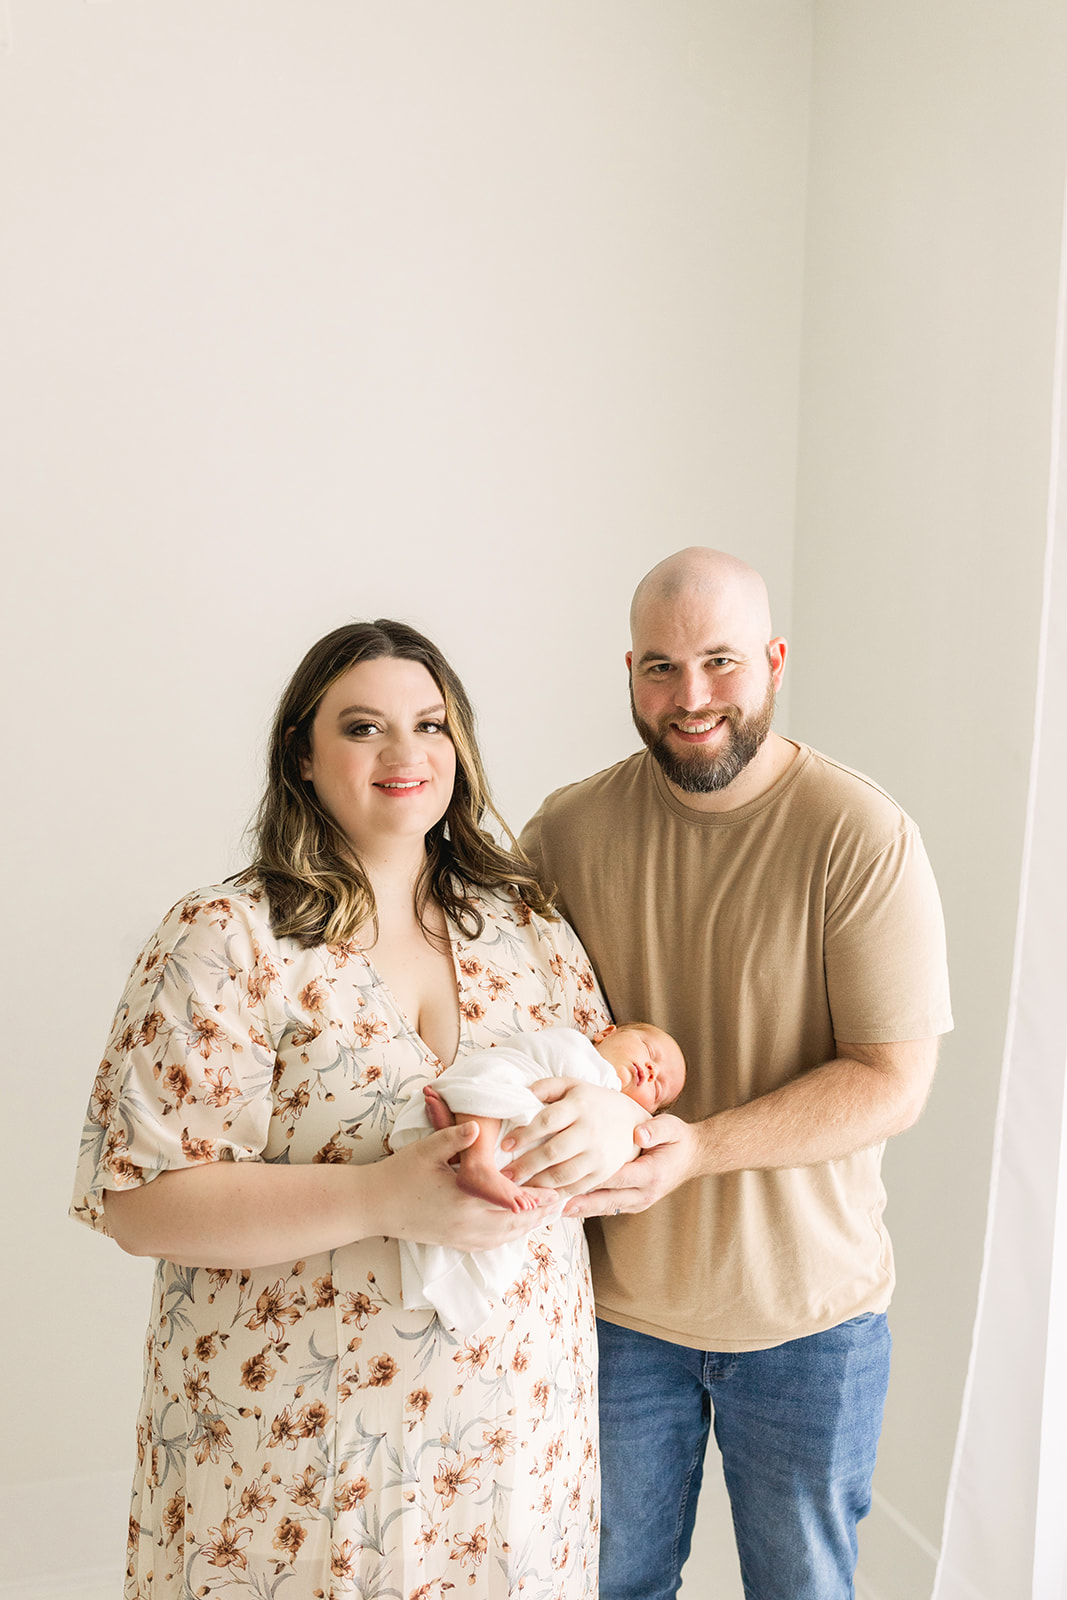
(239, 896)
(506, 908)
(508, 916)
(215, 914)
(220, 904)
(216, 935)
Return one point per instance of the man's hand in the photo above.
(671, 1158)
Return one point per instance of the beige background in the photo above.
(468, 311)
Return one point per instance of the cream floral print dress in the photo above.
(302, 1435)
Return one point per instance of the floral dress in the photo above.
(302, 1435)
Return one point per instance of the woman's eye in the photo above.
(360, 730)
(432, 727)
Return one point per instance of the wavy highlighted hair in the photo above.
(313, 878)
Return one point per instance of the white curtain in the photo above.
(1005, 1532)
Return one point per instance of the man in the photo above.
(776, 913)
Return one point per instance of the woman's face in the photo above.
(381, 759)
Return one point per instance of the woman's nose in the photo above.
(400, 748)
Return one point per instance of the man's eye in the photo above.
(659, 668)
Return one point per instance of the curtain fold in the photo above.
(1005, 1535)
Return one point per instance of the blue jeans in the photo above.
(798, 1428)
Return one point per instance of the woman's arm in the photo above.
(252, 1214)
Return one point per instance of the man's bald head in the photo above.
(704, 672)
(698, 574)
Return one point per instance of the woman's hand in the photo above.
(583, 1136)
(417, 1196)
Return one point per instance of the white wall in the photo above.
(469, 313)
(313, 309)
(939, 135)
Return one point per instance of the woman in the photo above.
(298, 1423)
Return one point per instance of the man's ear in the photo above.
(629, 661)
(776, 652)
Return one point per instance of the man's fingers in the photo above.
(605, 1203)
(660, 1130)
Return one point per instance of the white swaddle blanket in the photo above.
(463, 1286)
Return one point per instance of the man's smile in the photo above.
(697, 729)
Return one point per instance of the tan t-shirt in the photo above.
(756, 937)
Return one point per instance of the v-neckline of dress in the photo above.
(386, 988)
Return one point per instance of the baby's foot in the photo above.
(486, 1183)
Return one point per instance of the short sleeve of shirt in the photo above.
(187, 1072)
(886, 970)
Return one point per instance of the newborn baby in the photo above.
(491, 1087)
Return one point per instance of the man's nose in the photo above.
(691, 689)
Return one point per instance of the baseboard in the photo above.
(87, 1561)
(897, 1562)
(85, 1585)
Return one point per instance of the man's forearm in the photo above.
(866, 1094)
(862, 1097)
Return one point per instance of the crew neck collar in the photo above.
(728, 819)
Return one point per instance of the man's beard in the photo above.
(698, 771)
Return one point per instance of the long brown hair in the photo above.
(315, 883)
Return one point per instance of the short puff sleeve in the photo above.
(187, 1073)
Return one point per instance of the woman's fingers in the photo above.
(583, 1136)
(453, 1138)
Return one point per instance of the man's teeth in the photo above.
(699, 727)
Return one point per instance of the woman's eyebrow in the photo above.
(372, 711)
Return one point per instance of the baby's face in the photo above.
(650, 1065)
